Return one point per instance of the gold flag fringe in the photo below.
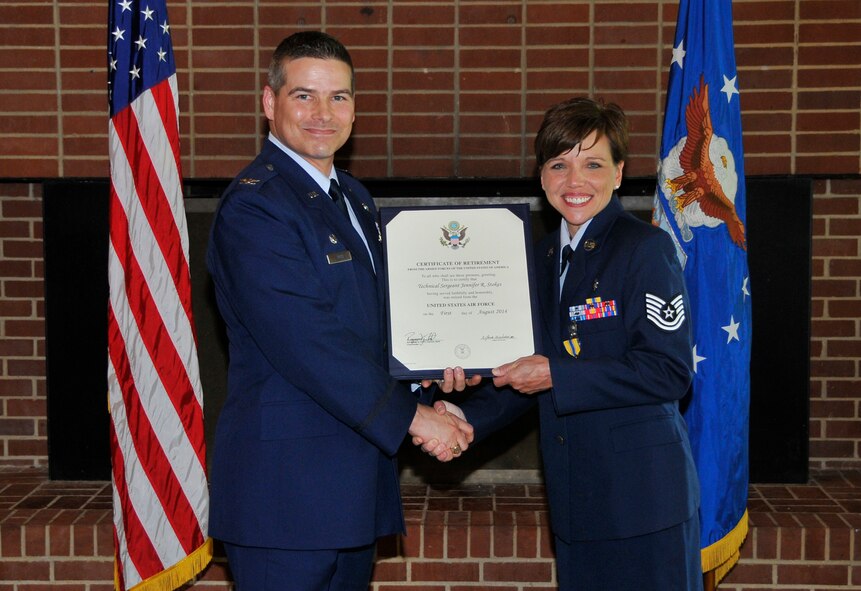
(724, 554)
(175, 576)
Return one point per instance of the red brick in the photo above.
(518, 571)
(846, 187)
(31, 570)
(808, 574)
(743, 573)
(445, 571)
(393, 569)
(434, 541)
(842, 389)
(27, 447)
(82, 570)
(480, 541)
(844, 308)
(436, 14)
(10, 541)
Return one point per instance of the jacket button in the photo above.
(560, 440)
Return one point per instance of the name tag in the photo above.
(342, 256)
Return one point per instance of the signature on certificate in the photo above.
(421, 338)
(497, 337)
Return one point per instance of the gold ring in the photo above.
(456, 449)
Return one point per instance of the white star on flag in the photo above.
(679, 55)
(731, 329)
(729, 87)
(697, 359)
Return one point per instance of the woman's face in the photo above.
(579, 183)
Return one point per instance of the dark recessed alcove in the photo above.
(75, 236)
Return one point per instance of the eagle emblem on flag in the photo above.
(698, 176)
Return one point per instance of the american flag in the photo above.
(701, 202)
(158, 452)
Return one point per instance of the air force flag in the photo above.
(700, 201)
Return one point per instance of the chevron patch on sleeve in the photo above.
(668, 316)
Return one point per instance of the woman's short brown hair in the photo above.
(568, 123)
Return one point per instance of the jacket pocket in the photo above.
(654, 431)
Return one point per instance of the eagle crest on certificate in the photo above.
(454, 235)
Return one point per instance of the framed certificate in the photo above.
(460, 288)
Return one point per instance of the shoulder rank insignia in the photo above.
(668, 316)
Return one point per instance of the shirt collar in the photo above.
(565, 237)
(321, 179)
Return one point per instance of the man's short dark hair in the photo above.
(314, 44)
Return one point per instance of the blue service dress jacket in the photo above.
(615, 449)
(305, 443)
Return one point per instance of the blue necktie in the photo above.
(338, 197)
(567, 296)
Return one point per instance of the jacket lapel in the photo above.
(312, 196)
(583, 262)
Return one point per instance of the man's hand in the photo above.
(453, 379)
(527, 374)
(450, 434)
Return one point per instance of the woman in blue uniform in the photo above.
(615, 360)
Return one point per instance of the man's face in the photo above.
(313, 113)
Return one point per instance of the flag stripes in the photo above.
(158, 452)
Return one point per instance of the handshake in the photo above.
(442, 430)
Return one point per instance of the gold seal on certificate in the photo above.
(459, 288)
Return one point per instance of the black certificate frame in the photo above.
(521, 210)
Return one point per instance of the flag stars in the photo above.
(135, 72)
(162, 55)
(679, 55)
(141, 42)
(697, 358)
(744, 288)
(165, 28)
(147, 13)
(113, 65)
(729, 87)
(126, 5)
(731, 329)
(118, 34)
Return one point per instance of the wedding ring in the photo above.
(456, 449)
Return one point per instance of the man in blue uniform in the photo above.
(304, 478)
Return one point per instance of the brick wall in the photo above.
(835, 351)
(445, 88)
(23, 402)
